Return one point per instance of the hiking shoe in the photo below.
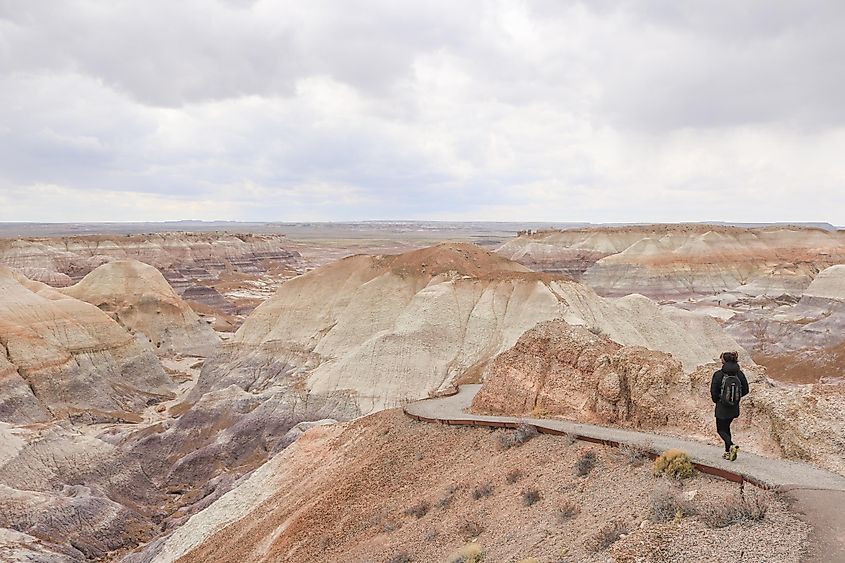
(733, 452)
(726, 455)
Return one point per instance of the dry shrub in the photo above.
(597, 331)
(568, 439)
(667, 505)
(750, 507)
(530, 496)
(514, 475)
(633, 454)
(585, 463)
(674, 463)
(482, 491)
(566, 511)
(470, 553)
(418, 510)
(470, 529)
(606, 536)
(523, 434)
(400, 558)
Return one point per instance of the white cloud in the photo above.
(600, 111)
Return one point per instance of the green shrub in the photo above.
(674, 463)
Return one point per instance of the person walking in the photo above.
(727, 388)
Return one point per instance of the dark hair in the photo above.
(729, 357)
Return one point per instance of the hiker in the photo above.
(726, 389)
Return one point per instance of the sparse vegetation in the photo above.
(470, 553)
(733, 510)
(513, 476)
(566, 511)
(667, 505)
(633, 454)
(606, 536)
(470, 529)
(482, 491)
(597, 331)
(418, 510)
(446, 500)
(568, 438)
(400, 558)
(530, 496)
(522, 434)
(585, 463)
(673, 463)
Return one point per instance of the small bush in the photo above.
(470, 530)
(530, 496)
(400, 558)
(566, 511)
(606, 536)
(733, 510)
(418, 510)
(667, 505)
(482, 491)
(470, 553)
(633, 454)
(596, 330)
(674, 463)
(585, 463)
(522, 434)
(514, 475)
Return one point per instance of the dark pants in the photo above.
(723, 427)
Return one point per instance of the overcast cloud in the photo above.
(549, 111)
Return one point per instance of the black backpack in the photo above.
(731, 389)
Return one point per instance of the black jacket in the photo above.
(723, 410)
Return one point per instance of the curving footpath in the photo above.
(819, 495)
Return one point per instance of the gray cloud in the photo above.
(601, 111)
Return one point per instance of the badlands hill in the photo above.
(680, 260)
(61, 356)
(222, 275)
(138, 297)
(371, 332)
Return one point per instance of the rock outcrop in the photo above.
(559, 370)
(376, 331)
(64, 356)
(138, 297)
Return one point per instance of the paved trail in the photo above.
(819, 494)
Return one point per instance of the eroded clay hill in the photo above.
(559, 370)
(60, 356)
(371, 332)
(222, 275)
(668, 261)
(138, 297)
(385, 488)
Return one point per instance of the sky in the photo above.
(547, 110)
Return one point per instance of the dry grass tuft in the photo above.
(633, 454)
(482, 491)
(514, 475)
(521, 435)
(418, 510)
(531, 496)
(751, 507)
(673, 463)
(585, 463)
(667, 505)
(400, 558)
(566, 511)
(606, 536)
(470, 530)
(470, 553)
